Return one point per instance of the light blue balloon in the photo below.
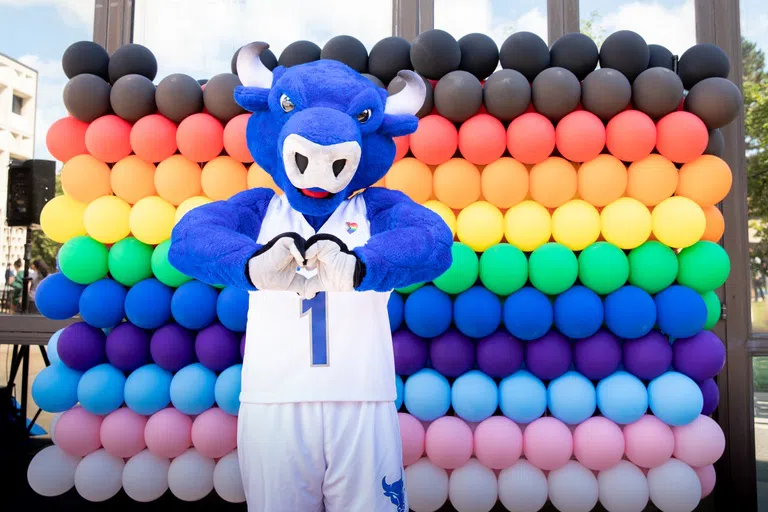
(101, 390)
(399, 386)
(571, 398)
(622, 398)
(53, 347)
(193, 389)
(675, 398)
(427, 395)
(474, 396)
(227, 389)
(522, 397)
(148, 389)
(55, 388)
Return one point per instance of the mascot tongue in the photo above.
(315, 193)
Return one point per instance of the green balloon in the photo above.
(704, 266)
(503, 269)
(714, 310)
(129, 261)
(603, 267)
(652, 266)
(163, 270)
(463, 272)
(553, 268)
(83, 260)
(409, 289)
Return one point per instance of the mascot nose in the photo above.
(302, 162)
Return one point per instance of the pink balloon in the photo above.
(547, 443)
(598, 443)
(648, 442)
(448, 442)
(498, 442)
(77, 432)
(122, 433)
(168, 433)
(699, 443)
(214, 433)
(707, 477)
(412, 435)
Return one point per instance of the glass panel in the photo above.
(760, 396)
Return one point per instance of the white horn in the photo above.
(251, 71)
(410, 99)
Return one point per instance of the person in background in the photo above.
(16, 284)
(40, 271)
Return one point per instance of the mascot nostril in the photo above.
(338, 166)
(302, 162)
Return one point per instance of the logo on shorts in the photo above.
(351, 227)
(395, 492)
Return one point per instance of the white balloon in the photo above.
(623, 488)
(52, 471)
(473, 487)
(522, 487)
(145, 477)
(99, 476)
(52, 428)
(227, 479)
(190, 476)
(674, 487)
(426, 486)
(573, 488)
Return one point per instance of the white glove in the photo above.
(338, 269)
(274, 267)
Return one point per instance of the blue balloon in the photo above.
(148, 304)
(528, 314)
(53, 347)
(474, 396)
(395, 308)
(102, 303)
(675, 398)
(232, 308)
(427, 395)
(148, 389)
(57, 297)
(194, 305)
(55, 388)
(428, 312)
(630, 312)
(681, 312)
(227, 389)
(399, 386)
(571, 398)
(578, 312)
(477, 312)
(622, 398)
(101, 390)
(522, 397)
(193, 389)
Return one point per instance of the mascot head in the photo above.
(322, 130)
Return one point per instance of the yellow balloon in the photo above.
(62, 218)
(189, 204)
(576, 224)
(626, 223)
(106, 219)
(480, 226)
(527, 225)
(678, 222)
(151, 220)
(443, 211)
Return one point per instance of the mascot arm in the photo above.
(409, 243)
(214, 242)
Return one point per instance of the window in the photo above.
(18, 103)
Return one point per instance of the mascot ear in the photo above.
(395, 126)
(252, 99)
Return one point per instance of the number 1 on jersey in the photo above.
(318, 336)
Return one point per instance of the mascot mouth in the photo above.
(315, 193)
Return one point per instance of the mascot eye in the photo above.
(286, 104)
(364, 116)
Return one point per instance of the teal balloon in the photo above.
(55, 388)
(227, 389)
(571, 398)
(101, 389)
(522, 397)
(675, 399)
(474, 396)
(193, 389)
(53, 347)
(148, 389)
(399, 385)
(622, 398)
(427, 395)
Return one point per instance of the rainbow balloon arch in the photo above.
(565, 355)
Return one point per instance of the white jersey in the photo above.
(335, 347)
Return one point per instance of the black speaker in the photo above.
(31, 184)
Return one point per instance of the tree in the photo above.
(43, 247)
(755, 87)
(591, 27)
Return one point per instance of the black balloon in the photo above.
(555, 93)
(267, 58)
(132, 59)
(479, 55)
(219, 98)
(435, 53)
(702, 61)
(626, 52)
(506, 94)
(458, 96)
(179, 96)
(86, 97)
(348, 50)
(85, 57)
(660, 57)
(299, 52)
(525, 52)
(397, 84)
(605, 92)
(716, 144)
(388, 56)
(716, 101)
(374, 79)
(133, 97)
(575, 52)
(657, 92)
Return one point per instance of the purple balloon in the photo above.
(410, 352)
(549, 356)
(649, 356)
(82, 346)
(700, 357)
(500, 354)
(452, 353)
(172, 347)
(217, 347)
(711, 394)
(128, 347)
(242, 347)
(598, 356)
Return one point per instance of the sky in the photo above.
(198, 37)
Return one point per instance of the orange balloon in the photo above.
(580, 136)
(715, 224)
(223, 177)
(504, 182)
(457, 183)
(402, 145)
(435, 140)
(411, 177)
(84, 178)
(133, 179)
(531, 138)
(553, 182)
(630, 136)
(108, 138)
(66, 138)
(177, 178)
(153, 138)
(234, 138)
(259, 178)
(681, 136)
(602, 180)
(706, 180)
(652, 179)
(200, 137)
(482, 139)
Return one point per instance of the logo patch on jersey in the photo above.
(351, 227)
(395, 492)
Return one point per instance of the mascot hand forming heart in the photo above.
(317, 424)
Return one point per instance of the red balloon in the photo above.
(681, 136)
(402, 144)
(482, 139)
(630, 135)
(200, 137)
(108, 138)
(153, 138)
(435, 140)
(66, 138)
(580, 136)
(531, 138)
(234, 138)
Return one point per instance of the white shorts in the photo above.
(321, 456)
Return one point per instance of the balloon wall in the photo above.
(566, 354)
